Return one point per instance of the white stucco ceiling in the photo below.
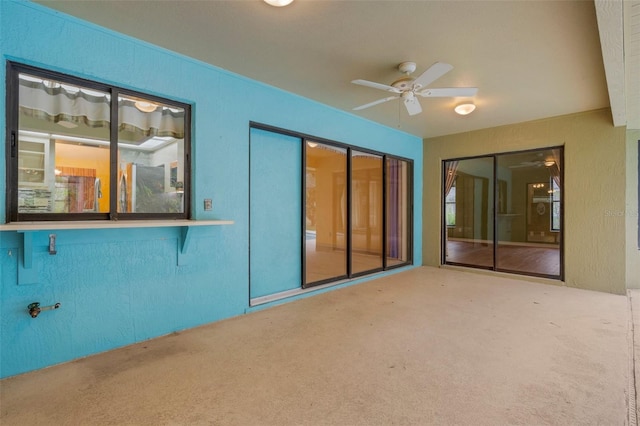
(529, 59)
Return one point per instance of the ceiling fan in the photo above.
(408, 88)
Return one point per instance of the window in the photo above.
(75, 154)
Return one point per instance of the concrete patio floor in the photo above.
(426, 346)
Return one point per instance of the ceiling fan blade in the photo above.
(379, 101)
(453, 92)
(434, 72)
(412, 105)
(376, 86)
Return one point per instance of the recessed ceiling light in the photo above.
(464, 109)
(278, 3)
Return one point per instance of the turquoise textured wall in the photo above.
(118, 287)
(275, 213)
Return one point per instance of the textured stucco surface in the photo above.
(594, 173)
(632, 211)
(424, 347)
(118, 287)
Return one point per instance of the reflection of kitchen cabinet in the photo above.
(34, 162)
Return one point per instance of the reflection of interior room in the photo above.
(327, 209)
(527, 212)
(64, 156)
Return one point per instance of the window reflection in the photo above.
(150, 153)
(63, 155)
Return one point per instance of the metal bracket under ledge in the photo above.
(27, 272)
(28, 265)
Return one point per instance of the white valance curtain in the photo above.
(62, 103)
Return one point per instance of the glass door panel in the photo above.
(398, 212)
(529, 212)
(325, 213)
(366, 212)
(469, 212)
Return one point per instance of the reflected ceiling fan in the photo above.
(408, 88)
(538, 163)
(549, 162)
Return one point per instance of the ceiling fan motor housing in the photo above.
(404, 83)
(407, 67)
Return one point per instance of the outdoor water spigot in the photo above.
(35, 309)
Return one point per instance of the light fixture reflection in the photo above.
(146, 106)
(312, 144)
(278, 3)
(464, 109)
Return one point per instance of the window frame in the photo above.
(13, 70)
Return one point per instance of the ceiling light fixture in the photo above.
(278, 3)
(549, 163)
(464, 109)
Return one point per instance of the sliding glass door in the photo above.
(504, 212)
(357, 212)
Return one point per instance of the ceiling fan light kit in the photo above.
(408, 88)
(464, 109)
(278, 3)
